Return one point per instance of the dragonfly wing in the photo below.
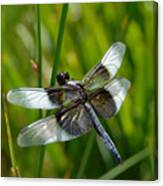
(71, 125)
(104, 104)
(113, 58)
(108, 102)
(76, 121)
(106, 69)
(41, 132)
(39, 98)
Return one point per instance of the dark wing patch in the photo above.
(109, 100)
(55, 96)
(105, 70)
(76, 121)
(104, 104)
(96, 77)
(118, 89)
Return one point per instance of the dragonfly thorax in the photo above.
(80, 88)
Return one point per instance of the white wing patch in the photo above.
(118, 89)
(36, 98)
(42, 132)
(113, 58)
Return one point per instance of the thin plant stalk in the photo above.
(39, 47)
(112, 174)
(39, 165)
(59, 44)
(14, 168)
(39, 58)
(85, 155)
(53, 75)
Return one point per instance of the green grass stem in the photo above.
(39, 48)
(53, 75)
(40, 161)
(85, 155)
(112, 174)
(14, 168)
(39, 58)
(59, 44)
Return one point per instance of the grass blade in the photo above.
(39, 46)
(112, 174)
(53, 75)
(86, 155)
(39, 50)
(59, 43)
(39, 58)
(14, 168)
(40, 161)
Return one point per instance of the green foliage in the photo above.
(14, 169)
(112, 174)
(89, 30)
(54, 69)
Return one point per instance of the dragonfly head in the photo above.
(63, 77)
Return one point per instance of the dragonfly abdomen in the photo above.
(102, 133)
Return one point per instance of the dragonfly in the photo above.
(77, 104)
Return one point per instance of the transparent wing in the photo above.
(43, 131)
(108, 102)
(40, 98)
(106, 69)
(113, 58)
(118, 90)
(71, 125)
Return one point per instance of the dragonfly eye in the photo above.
(63, 77)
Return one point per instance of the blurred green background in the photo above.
(89, 31)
